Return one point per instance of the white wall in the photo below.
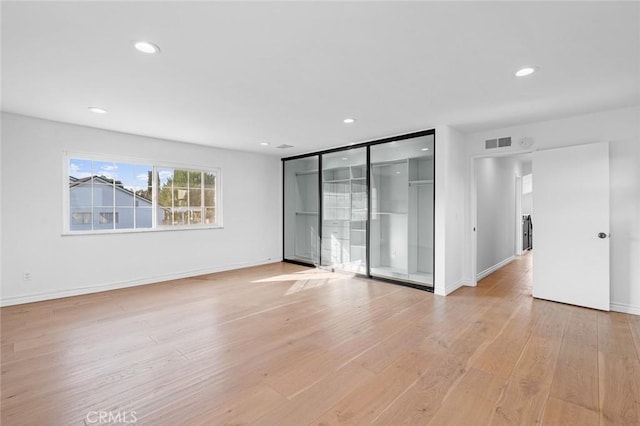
(32, 185)
(496, 204)
(622, 129)
(451, 174)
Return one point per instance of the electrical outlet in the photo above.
(26, 276)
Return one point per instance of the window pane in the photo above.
(210, 216)
(125, 184)
(102, 193)
(124, 197)
(180, 217)
(165, 216)
(79, 169)
(180, 178)
(210, 197)
(165, 185)
(80, 194)
(180, 197)
(195, 197)
(209, 180)
(143, 181)
(195, 179)
(106, 217)
(195, 216)
(144, 217)
(105, 170)
(80, 219)
(124, 218)
(103, 218)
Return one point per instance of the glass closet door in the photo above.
(402, 207)
(344, 210)
(301, 213)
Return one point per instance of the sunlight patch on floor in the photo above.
(304, 275)
(305, 280)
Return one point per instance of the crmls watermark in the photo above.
(117, 417)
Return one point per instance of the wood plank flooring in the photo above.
(286, 345)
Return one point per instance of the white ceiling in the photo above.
(235, 74)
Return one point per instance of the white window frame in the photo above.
(155, 226)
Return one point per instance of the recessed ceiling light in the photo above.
(98, 110)
(147, 47)
(349, 120)
(264, 143)
(344, 158)
(425, 149)
(522, 72)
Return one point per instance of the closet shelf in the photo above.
(380, 213)
(308, 213)
(420, 182)
(307, 172)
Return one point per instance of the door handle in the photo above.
(602, 235)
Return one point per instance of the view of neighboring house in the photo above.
(97, 202)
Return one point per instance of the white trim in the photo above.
(161, 228)
(518, 213)
(449, 288)
(624, 308)
(495, 267)
(473, 226)
(38, 297)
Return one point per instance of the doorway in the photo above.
(501, 201)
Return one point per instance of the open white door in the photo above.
(571, 225)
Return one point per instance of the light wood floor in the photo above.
(285, 345)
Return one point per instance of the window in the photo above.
(108, 195)
(187, 197)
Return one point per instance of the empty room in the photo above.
(320, 213)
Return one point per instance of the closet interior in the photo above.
(366, 209)
(301, 211)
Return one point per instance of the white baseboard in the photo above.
(495, 267)
(624, 308)
(453, 287)
(448, 288)
(38, 297)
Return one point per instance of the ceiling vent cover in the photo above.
(490, 143)
(284, 146)
(504, 142)
(497, 143)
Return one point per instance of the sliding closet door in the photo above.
(402, 207)
(344, 210)
(301, 213)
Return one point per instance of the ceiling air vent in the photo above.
(497, 143)
(504, 142)
(284, 146)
